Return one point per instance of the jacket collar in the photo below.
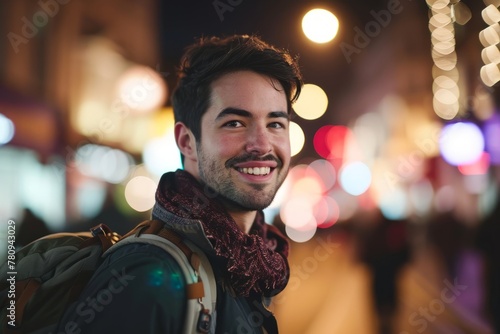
(191, 229)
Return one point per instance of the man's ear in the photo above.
(185, 141)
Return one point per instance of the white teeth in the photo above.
(255, 170)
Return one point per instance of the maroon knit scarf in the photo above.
(256, 262)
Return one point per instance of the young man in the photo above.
(232, 108)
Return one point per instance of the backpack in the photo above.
(51, 272)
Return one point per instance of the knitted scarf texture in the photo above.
(255, 262)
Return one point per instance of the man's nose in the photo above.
(258, 141)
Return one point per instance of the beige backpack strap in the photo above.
(201, 288)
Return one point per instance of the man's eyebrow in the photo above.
(245, 113)
(233, 111)
(279, 114)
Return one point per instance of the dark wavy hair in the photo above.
(211, 57)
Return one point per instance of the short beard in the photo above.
(221, 184)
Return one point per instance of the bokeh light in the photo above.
(446, 111)
(446, 96)
(439, 20)
(461, 143)
(445, 200)
(490, 14)
(282, 193)
(447, 83)
(161, 155)
(297, 138)
(142, 89)
(320, 141)
(115, 166)
(90, 198)
(492, 138)
(490, 35)
(355, 178)
(490, 74)
(305, 205)
(297, 212)
(478, 167)
(308, 185)
(348, 204)
(489, 38)
(103, 163)
(301, 235)
(370, 133)
(476, 183)
(487, 201)
(491, 54)
(312, 102)
(320, 25)
(7, 130)
(140, 193)
(420, 196)
(446, 92)
(326, 212)
(483, 104)
(461, 13)
(325, 171)
(394, 205)
(444, 61)
(438, 6)
(329, 141)
(337, 139)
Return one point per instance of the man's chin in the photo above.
(247, 204)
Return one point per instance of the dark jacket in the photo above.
(140, 289)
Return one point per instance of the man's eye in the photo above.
(277, 125)
(233, 124)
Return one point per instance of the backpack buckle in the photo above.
(96, 230)
(204, 319)
(106, 232)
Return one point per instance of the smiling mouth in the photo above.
(255, 170)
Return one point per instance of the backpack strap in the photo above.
(102, 235)
(156, 227)
(201, 288)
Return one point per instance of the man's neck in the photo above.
(244, 219)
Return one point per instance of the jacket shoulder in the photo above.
(138, 288)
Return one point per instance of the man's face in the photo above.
(244, 153)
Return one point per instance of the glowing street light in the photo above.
(320, 25)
